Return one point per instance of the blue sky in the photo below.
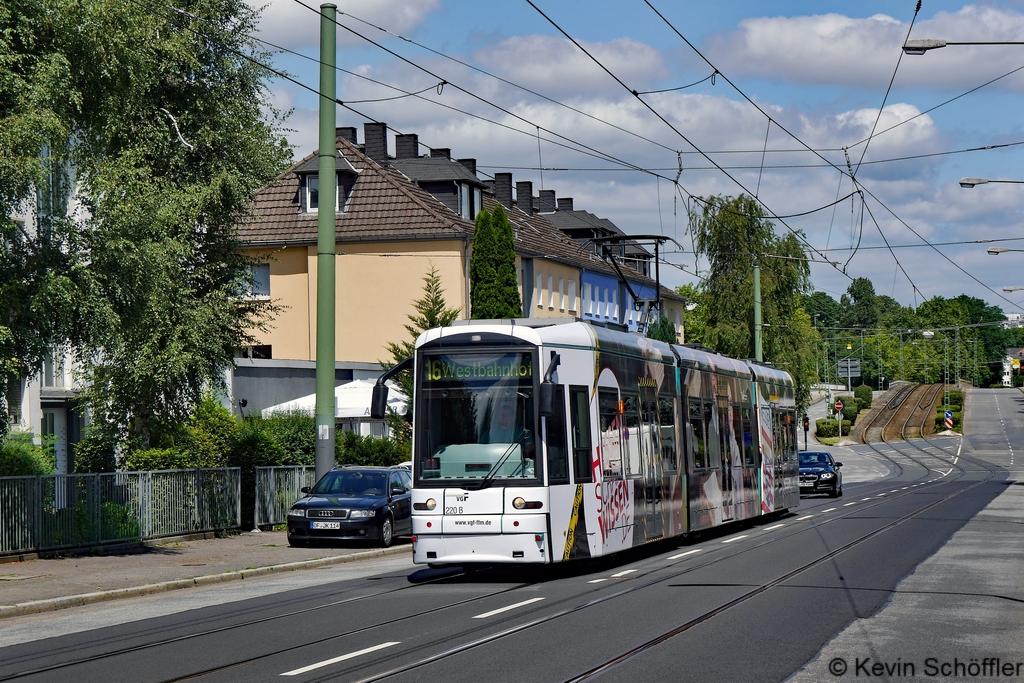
(820, 70)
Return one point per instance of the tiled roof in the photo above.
(384, 205)
(435, 169)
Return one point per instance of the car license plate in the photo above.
(325, 525)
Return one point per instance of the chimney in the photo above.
(441, 152)
(565, 204)
(546, 201)
(503, 189)
(375, 137)
(470, 164)
(347, 132)
(407, 146)
(524, 196)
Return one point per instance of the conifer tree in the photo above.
(663, 330)
(494, 287)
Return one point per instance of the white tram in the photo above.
(546, 441)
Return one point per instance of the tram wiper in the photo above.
(493, 472)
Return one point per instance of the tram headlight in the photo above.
(430, 504)
(519, 503)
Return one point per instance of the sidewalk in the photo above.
(43, 585)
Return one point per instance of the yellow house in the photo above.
(396, 218)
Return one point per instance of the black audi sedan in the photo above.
(353, 503)
(819, 473)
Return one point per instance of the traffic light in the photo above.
(807, 423)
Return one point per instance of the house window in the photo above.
(260, 282)
(615, 304)
(312, 192)
(572, 297)
(538, 293)
(53, 371)
(465, 202)
(551, 292)
(588, 302)
(561, 294)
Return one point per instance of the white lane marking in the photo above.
(774, 526)
(863, 499)
(800, 519)
(738, 538)
(904, 488)
(894, 491)
(595, 581)
(846, 505)
(623, 573)
(946, 473)
(335, 660)
(688, 552)
(829, 510)
(505, 609)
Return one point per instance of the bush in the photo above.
(19, 456)
(210, 434)
(96, 451)
(148, 459)
(352, 449)
(955, 398)
(826, 428)
(118, 521)
(296, 434)
(254, 447)
(864, 395)
(851, 407)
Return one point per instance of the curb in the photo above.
(54, 604)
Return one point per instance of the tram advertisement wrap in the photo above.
(767, 462)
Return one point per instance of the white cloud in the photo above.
(555, 66)
(287, 23)
(834, 49)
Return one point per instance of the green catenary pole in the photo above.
(758, 350)
(325, 246)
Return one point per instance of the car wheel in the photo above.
(386, 533)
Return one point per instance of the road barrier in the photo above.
(276, 489)
(68, 511)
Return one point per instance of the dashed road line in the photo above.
(688, 552)
(623, 573)
(738, 538)
(509, 607)
(335, 660)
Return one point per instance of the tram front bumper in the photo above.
(489, 548)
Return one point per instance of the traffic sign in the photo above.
(949, 419)
(839, 405)
(849, 367)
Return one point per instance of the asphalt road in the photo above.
(752, 603)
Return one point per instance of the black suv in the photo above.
(371, 503)
(819, 473)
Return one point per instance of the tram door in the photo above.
(651, 465)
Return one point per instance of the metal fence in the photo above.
(276, 489)
(63, 511)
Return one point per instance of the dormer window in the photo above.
(471, 200)
(309, 184)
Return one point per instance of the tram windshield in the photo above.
(475, 418)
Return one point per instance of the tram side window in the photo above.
(579, 410)
(698, 446)
(714, 451)
(667, 417)
(749, 438)
(631, 439)
(611, 437)
(558, 458)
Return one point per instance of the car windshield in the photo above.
(352, 483)
(815, 460)
(475, 417)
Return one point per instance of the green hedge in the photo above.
(826, 428)
(19, 457)
(864, 395)
(955, 398)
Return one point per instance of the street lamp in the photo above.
(971, 182)
(1012, 289)
(996, 251)
(919, 47)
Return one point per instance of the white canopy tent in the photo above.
(352, 402)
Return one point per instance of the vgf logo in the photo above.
(463, 498)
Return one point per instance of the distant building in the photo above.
(1014, 320)
(1009, 370)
